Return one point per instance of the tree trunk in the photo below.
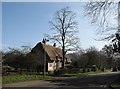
(63, 49)
(63, 58)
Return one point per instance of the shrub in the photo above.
(114, 69)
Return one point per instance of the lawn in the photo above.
(116, 84)
(20, 78)
(96, 72)
(0, 80)
(82, 74)
(24, 77)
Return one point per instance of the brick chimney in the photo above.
(44, 42)
(54, 44)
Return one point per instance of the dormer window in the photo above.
(56, 58)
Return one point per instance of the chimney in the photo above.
(44, 42)
(54, 44)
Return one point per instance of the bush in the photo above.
(60, 71)
(88, 69)
(94, 68)
(84, 70)
(114, 69)
(118, 68)
(66, 70)
(7, 70)
(102, 69)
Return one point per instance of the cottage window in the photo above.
(50, 65)
(56, 57)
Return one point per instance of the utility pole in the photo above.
(44, 41)
(118, 32)
(44, 63)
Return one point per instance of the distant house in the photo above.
(52, 54)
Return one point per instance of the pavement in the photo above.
(99, 81)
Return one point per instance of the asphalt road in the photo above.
(100, 81)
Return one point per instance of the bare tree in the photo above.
(107, 50)
(25, 49)
(65, 27)
(91, 56)
(105, 15)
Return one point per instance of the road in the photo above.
(99, 81)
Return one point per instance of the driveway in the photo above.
(100, 81)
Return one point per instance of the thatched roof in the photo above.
(54, 52)
(50, 50)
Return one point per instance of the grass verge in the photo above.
(116, 84)
(21, 78)
(96, 72)
(0, 80)
(81, 74)
(24, 77)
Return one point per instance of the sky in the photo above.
(56, 1)
(25, 23)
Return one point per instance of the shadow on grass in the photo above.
(56, 88)
(85, 82)
(116, 84)
(80, 82)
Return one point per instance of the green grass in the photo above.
(68, 75)
(0, 80)
(96, 72)
(20, 78)
(82, 74)
(116, 84)
(24, 77)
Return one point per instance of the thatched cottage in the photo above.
(51, 54)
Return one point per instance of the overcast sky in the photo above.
(25, 23)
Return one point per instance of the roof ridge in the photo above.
(51, 46)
